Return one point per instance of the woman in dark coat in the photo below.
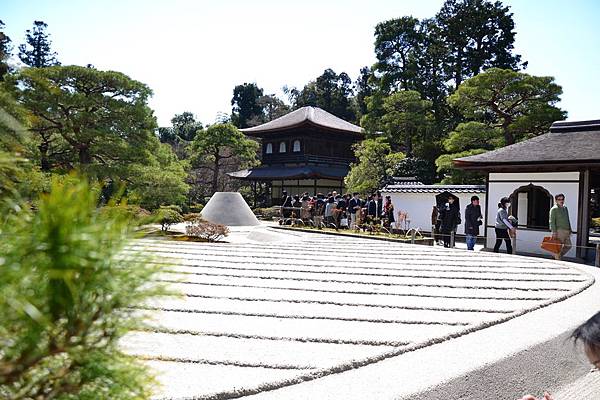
(450, 217)
(286, 205)
(388, 209)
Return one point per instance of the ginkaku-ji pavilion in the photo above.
(306, 150)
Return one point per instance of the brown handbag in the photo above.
(552, 245)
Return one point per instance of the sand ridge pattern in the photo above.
(260, 316)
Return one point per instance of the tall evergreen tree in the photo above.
(397, 44)
(181, 132)
(478, 34)
(5, 50)
(245, 105)
(185, 125)
(329, 91)
(272, 107)
(410, 54)
(406, 120)
(37, 52)
(364, 88)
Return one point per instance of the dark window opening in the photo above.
(531, 206)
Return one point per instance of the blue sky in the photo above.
(192, 53)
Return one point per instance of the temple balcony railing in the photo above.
(268, 159)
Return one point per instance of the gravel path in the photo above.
(257, 316)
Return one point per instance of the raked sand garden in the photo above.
(270, 309)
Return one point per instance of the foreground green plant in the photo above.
(66, 298)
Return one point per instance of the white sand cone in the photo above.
(230, 209)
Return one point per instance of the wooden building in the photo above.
(306, 150)
(565, 160)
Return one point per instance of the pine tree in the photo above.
(5, 50)
(37, 52)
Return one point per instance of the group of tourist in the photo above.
(350, 211)
(340, 211)
(446, 218)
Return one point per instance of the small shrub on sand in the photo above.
(206, 230)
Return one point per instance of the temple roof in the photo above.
(305, 115)
(268, 173)
(566, 143)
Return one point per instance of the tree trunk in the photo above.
(44, 161)
(458, 70)
(85, 157)
(215, 177)
(409, 145)
(508, 137)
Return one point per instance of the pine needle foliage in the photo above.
(67, 296)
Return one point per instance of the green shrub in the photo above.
(196, 208)
(67, 298)
(172, 207)
(191, 217)
(267, 213)
(136, 214)
(167, 216)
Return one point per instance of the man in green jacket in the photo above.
(560, 225)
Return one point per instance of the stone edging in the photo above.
(354, 235)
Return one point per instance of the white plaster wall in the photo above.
(540, 176)
(419, 206)
(504, 184)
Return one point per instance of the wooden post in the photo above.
(513, 241)
(412, 236)
(583, 222)
(597, 263)
(452, 238)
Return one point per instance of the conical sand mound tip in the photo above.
(230, 209)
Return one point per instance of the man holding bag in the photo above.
(560, 225)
